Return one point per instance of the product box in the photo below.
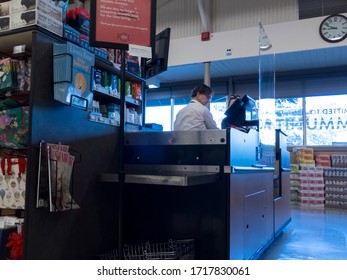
(72, 66)
(22, 19)
(4, 23)
(100, 52)
(136, 90)
(97, 84)
(36, 17)
(18, 6)
(82, 21)
(4, 15)
(84, 42)
(19, 13)
(5, 8)
(71, 34)
(45, 6)
(50, 9)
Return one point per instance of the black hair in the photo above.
(203, 89)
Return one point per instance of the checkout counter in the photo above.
(201, 185)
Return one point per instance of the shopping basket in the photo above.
(172, 250)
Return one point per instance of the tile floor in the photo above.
(312, 234)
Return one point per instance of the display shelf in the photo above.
(14, 100)
(55, 123)
(99, 95)
(106, 93)
(110, 67)
(133, 101)
(20, 36)
(102, 120)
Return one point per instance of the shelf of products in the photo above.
(14, 119)
(58, 123)
(319, 176)
(336, 187)
(106, 95)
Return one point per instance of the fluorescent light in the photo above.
(152, 86)
(153, 82)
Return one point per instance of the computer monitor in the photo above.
(236, 114)
(160, 54)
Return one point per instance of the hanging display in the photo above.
(12, 182)
(54, 178)
(120, 23)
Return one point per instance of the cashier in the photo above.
(196, 115)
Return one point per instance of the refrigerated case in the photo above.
(202, 185)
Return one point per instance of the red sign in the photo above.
(122, 22)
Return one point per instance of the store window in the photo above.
(289, 118)
(160, 111)
(217, 108)
(326, 120)
(160, 115)
(320, 120)
(323, 117)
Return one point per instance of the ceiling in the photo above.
(318, 60)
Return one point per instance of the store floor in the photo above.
(312, 234)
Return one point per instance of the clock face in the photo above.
(333, 29)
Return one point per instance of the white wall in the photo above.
(285, 37)
(184, 19)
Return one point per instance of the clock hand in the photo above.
(331, 27)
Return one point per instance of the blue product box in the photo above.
(71, 34)
(72, 66)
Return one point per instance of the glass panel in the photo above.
(160, 115)
(326, 120)
(266, 110)
(289, 118)
(267, 116)
(218, 109)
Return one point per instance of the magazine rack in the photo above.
(55, 177)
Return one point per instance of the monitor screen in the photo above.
(160, 54)
(236, 113)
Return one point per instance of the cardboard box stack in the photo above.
(323, 159)
(306, 178)
(311, 187)
(294, 182)
(319, 178)
(336, 182)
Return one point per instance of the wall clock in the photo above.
(333, 28)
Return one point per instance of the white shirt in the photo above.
(195, 116)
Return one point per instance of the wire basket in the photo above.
(172, 250)
(109, 255)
